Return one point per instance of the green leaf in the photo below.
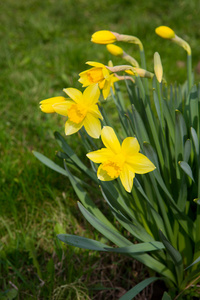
(124, 213)
(180, 138)
(73, 157)
(8, 295)
(120, 241)
(187, 150)
(82, 242)
(156, 216)
(134, 228)
(86, 200)
(140, 248)
(169, 120)
(138, 288)
(195, 262)
(186, 223)
(166, 296)
(175, 255)
(186, 168)
(197, 201)
(52, 165)
(157, 105)
(139, 126)
(112, 234)
(195, 140)
(194, 107)
(49, 163)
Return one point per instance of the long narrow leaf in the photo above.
(187, 169)
(119, 240)
(138, 288)
(166, 296)
(86, 200)
(90, 244)
(175, 255)
(74, 158)
(49, 163)
(112, 234)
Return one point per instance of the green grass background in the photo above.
(43, 47)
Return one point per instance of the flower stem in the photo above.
(189, 71)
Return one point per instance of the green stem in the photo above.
(143, 65)
(159, 85)
(189, 71)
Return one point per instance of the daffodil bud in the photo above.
(165, 32)
(158, 69)
(103, 37)
(114, 50)
(117, 51)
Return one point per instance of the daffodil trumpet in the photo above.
(99, 74)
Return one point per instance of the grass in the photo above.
(44, 45)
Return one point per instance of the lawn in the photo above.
(43, 47)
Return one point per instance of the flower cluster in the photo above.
(82, 110)
(159, 135)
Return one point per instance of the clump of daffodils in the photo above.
(147, 168)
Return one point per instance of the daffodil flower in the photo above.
(121, 161)
(81, 110)
(98, 74)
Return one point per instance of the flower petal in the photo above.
(92, 125)
(126, 178)
(74, 94)
(95, 64)
(53, 100)
(110, 139)
(84, 78)
(71, 127)
(62, 108)
(103, 175)
(100, 156)
(130, 146)
(91, 94)
(140, 164)
(106, 89)
(94, 110)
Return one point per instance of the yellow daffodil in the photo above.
(121, 161)
(103, 37)
(46, 105)
(165, 32)
(98, 74)
(81, 110)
